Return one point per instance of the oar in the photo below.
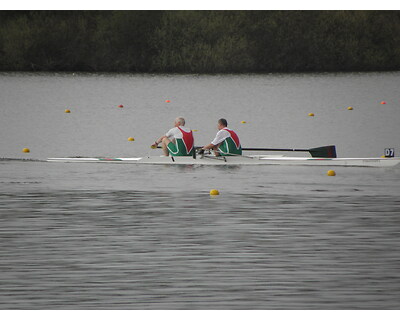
(320, 152)
(236, 155)
(194, 153)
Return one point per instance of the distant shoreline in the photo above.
(160, 74)
(200, 42)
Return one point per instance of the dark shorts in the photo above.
(177, 149)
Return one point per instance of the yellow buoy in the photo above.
(242, 121)
(131, 139)
(67, 111)
(349, 108)
(214, 192)
(195, 130)
(331, 173)
(311, 114)
(26, 150)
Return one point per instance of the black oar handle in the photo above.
(261, 149)
(159, 147)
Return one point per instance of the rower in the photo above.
(226, 142)
(178, 141)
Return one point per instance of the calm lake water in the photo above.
(115, 236)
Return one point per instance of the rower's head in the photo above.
(222, 123)
(179, 122)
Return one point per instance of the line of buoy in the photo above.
(214, 191)
(348, 108)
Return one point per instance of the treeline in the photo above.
(199, 41)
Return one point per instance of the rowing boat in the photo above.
(321, 156)
(241, 160)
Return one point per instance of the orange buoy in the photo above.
(383, 102)
(167, 101)
(120, 106)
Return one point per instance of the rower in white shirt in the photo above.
(178, 141)
(226, 142)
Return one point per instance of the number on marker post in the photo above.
(389, 152)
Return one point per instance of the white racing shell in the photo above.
(242, 160)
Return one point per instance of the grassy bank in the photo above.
(199, 41)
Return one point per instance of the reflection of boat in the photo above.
(242, 160)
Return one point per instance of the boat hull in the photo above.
(241, 160)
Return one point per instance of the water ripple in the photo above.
(135, 250)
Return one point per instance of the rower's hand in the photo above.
(200, 151)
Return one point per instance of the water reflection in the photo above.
(158, 250)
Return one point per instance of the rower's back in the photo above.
(231, 145)
(184, 141)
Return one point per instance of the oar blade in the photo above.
(324, 152)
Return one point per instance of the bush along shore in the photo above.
(200, 41)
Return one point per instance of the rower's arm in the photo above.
(158, 141)
(209, 146)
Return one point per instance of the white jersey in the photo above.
(175, 133)
(221, 136)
